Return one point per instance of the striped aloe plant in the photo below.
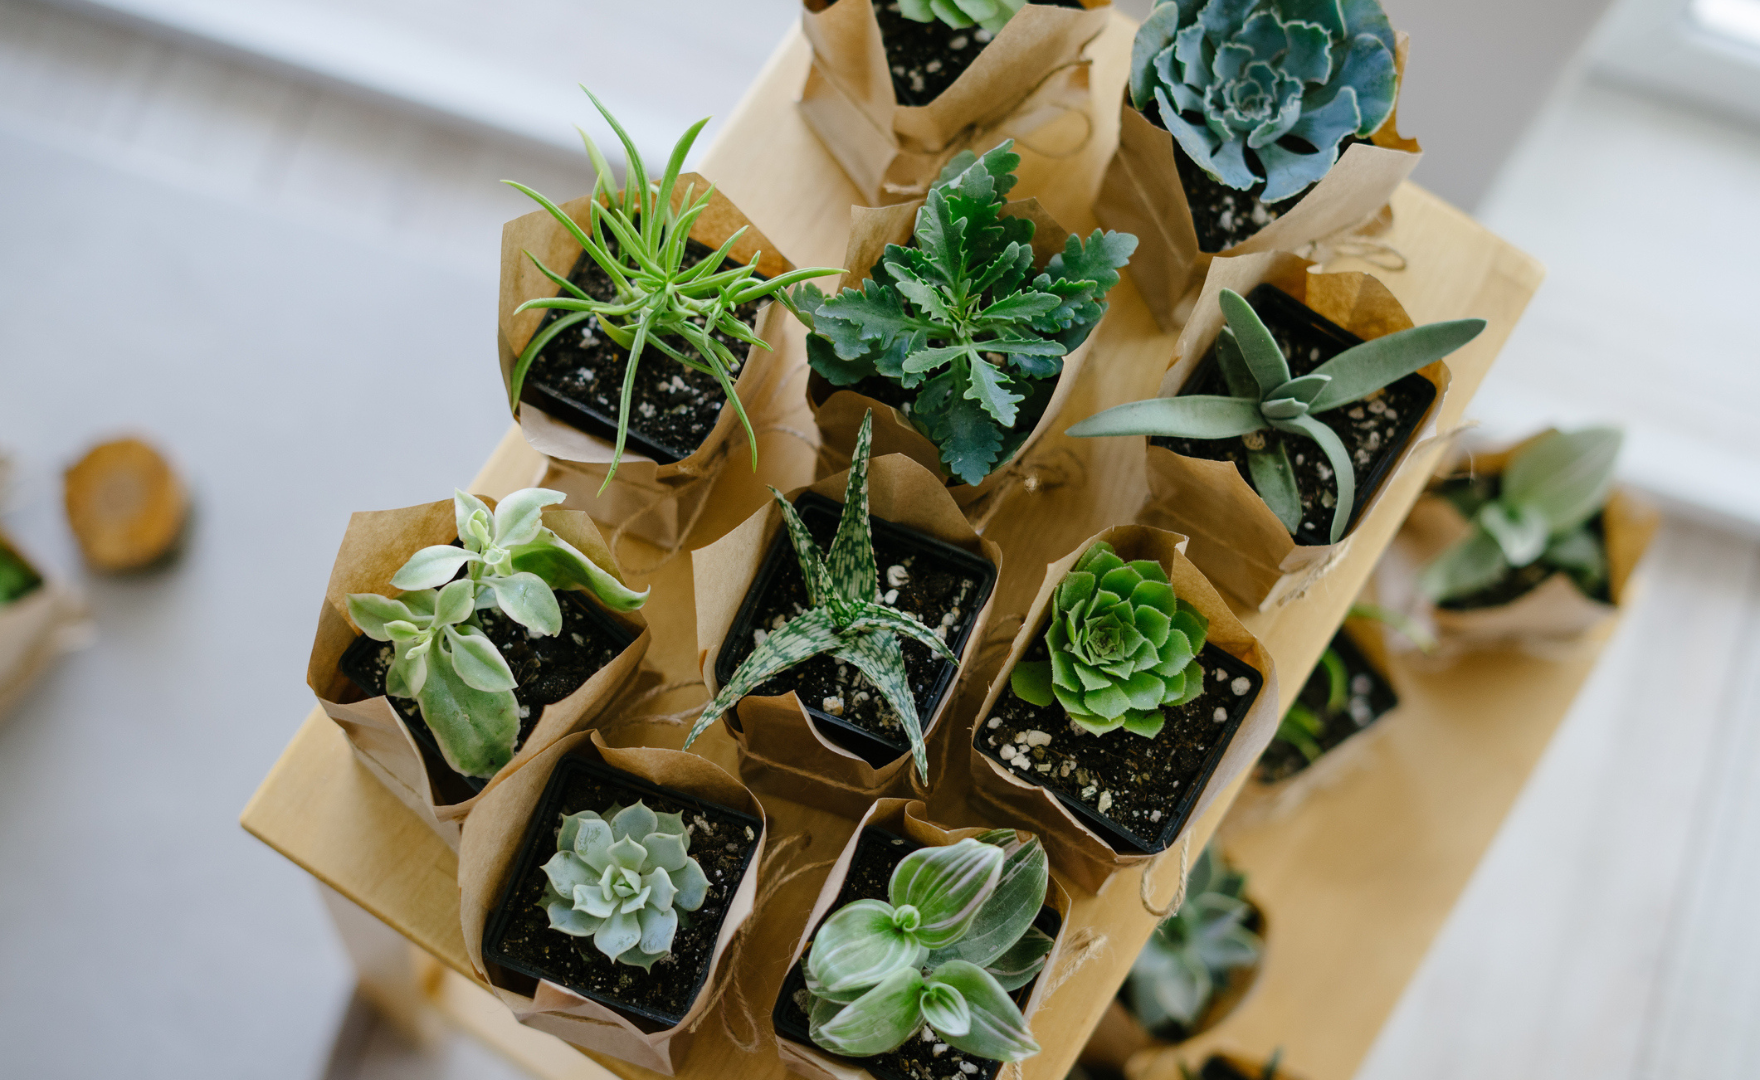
(845, 619)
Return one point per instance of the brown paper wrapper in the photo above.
(1141, 194)
(1551, 620)
(1076, 851)
(838, 412)
(780, 750)
(1235, 538)
(907, 818)
(491, 843)
(376, 545)
(34, 630)
(653, 501)
(1031, 74)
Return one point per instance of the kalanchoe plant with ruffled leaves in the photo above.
(1262, 396)
(1266, 90)
(953, 938)
(991, 15)
(1176, 975)
(1546, 497)
(638, 237)
(442, 657)
(846, 617)
(621, 878)
(1123, 646)
(960, 318)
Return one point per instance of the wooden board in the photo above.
(326, 814)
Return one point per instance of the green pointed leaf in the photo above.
(1193, 416)
(432, 567)
(1474, 562)
(371, 612)
(1022, 961)
(999, 1031)
(948, 886)
(563, 566)
(1344, 472)
(519, 516)
(878, 1021)
(455, 603)
(805, 636)
(1521, 531)
(1259, 350)
(875, 653)
(879, 616)
(1564, 476)
(1007, 916)
(1366, 368)
(1275, 481)
(850, 566)
(806, 552)
(477, 660)
(524, 598)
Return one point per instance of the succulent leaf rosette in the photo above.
(621, 877)
(953, 937)
(1266, 90)
(1123, 646)
(1175, 976)
(991, 15)
(443, 659)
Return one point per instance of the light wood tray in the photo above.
(324, 812)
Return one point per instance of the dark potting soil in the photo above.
(912, 581)
(1369, 697)
(578, 378)
(548, 668)
(926, 58)
(721, 842)
(1223, 216)
(1469, 493)
(1135, 783)
(1217, 1067)
(1374, 430)
(924, 1056)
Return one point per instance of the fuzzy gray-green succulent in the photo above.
(442, 658)
(953, 938)
(1262, 396)
(845, 619)
(1266, 90)
(991, 15)
(621, 877)
(1177, 972)
(1545, 499)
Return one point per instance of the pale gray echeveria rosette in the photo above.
(621, 877)
(1279, 82)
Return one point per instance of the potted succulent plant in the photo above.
(922, 954)
(600, 889)
(960, 325)
(38, 620)
(636, 334)
(864, 619)
(1531, 545)
(1252, 126)
(460, 638)
(1277, 428)
(899, 86)
(1131, 695)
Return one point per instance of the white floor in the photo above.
(289, 287)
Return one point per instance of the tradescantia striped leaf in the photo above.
(948, 886)
(1006, 917)
(1016, 967)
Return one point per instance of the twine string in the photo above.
(1179, 894)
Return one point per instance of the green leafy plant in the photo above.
(845, 617)
(16, 576)
(953, 938)
(637, 236)
(960, 318)
(621, 877)
(1548, 493)
(442, 658)
(991, 15)
(1263, 396)
(1266, 90)
(1123, 646)
(1191, 953)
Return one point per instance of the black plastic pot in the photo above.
(358, 664)
(540, 843)
(1280, 311)
(791, 1022)
(1116, 835)
(1381, 698)
(821, 516)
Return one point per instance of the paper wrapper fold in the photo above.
(1548, 621)
(652, 501)
(838, 412)
(998, 793)
(35, 629)
(375, 546)
(1029, 76)
(908, 818)
(491, 844)
(781, 752)
(1142, 194)
(1235, 538)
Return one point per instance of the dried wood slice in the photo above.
(125, 505)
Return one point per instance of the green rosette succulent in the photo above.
(1265, 90)
(991, 15)
(621, 877)
(1123, 646)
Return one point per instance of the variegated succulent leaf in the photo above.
(620, 877)
(990, 15)
(1263, 395)
(1193, 951)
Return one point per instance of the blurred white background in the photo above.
(265, 233)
